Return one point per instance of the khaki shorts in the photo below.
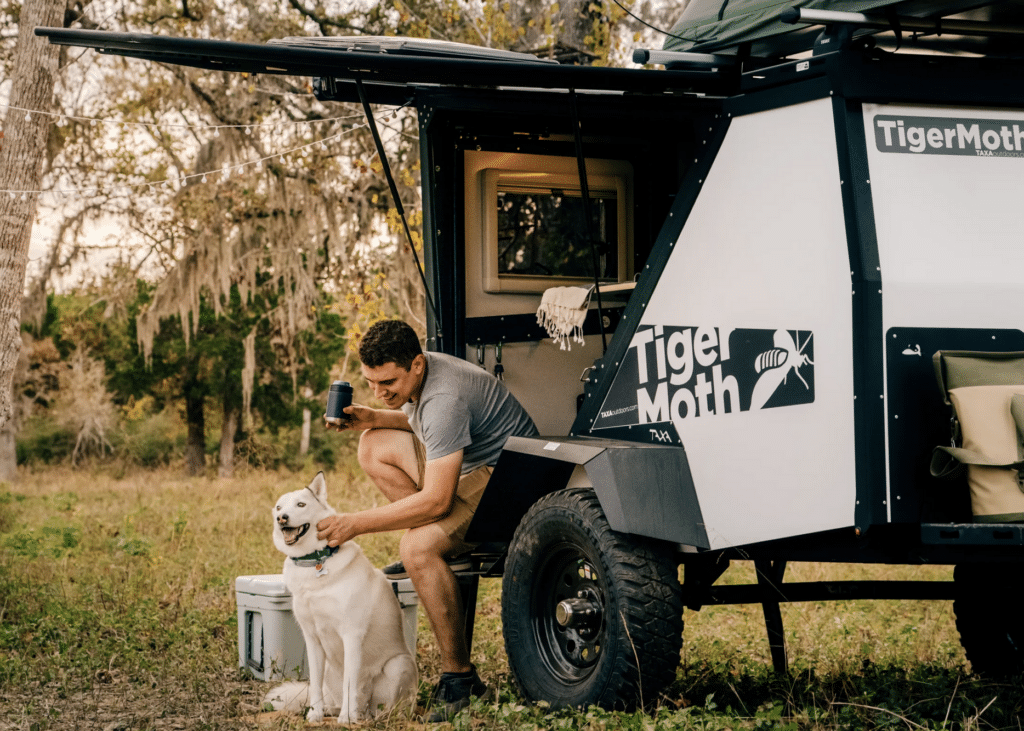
(467, 498)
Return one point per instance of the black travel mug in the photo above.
(338, 398)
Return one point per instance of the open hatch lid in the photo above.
(388, 62)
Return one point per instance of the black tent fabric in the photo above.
(720, 25)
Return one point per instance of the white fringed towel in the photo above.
(562, 312)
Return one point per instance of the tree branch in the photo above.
(324, 22)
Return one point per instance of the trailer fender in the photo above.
(644, 489)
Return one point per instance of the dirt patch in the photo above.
(209, 701)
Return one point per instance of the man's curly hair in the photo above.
(389, 341)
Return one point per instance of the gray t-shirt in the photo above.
(465, 407)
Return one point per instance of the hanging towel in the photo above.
(562, 312)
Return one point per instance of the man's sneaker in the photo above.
(396, 570)
(452, 694)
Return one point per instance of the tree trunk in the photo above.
(8, 454)
(8, 449)
(307, 419)
(22, 154)
(227, 442)
(195, 448)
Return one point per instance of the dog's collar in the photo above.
(316, 558)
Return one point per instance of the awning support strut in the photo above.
(581, 163)
(372, 123)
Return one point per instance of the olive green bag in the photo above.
(986, 392)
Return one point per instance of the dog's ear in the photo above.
(319, 487)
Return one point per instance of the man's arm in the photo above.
(428, 505)
(362, 418)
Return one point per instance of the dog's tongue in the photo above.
(292, 533)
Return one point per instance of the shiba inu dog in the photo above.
(350, 618)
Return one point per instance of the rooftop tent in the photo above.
(721, 25)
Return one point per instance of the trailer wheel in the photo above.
(590, 616)
(987, 614)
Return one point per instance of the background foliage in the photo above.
(253, 226)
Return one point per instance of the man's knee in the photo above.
(383, 446)
(370, 448)
(423, 545)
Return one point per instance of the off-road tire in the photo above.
(988, 617)
(562, 549)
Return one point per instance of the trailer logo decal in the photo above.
(949, 136)
(676, 373)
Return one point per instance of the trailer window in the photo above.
(533, 235)
(539, 233)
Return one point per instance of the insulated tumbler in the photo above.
(338, 398)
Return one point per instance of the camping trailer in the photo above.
(775, 234)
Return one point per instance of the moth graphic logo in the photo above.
(775, 365)
(676, 373)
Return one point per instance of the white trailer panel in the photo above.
(757, 289)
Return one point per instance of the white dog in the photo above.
(349, 616)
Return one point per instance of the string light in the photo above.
(62, 119)
(225, 172)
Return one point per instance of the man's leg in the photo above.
(388, 456)
(423, 550)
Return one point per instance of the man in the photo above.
(431, 452)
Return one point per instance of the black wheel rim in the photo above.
(570, 654)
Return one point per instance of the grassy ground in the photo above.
(117, 612)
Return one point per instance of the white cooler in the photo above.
(270, 642)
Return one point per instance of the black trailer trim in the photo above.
(441, 165)
(910, 78)
(816, 591)
(599, 381)
(784, 74)
(894, 543)
(866, 293)
(972, 534)
(807, 90)
(878, 76)
(329, 89)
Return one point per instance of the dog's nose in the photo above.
(282, 519)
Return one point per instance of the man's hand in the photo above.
(337, 529)
(360, 418)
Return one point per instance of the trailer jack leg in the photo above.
(469, 585)
(769, 578)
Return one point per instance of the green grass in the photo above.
(117, 612)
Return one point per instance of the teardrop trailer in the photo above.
(783, 225)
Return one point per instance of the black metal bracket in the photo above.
(769, 580)
(698, 578)
(524, 328)
(972, 534)
(818, 591)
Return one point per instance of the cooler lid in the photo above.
(262, 585)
